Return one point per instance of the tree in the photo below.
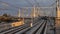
(5, 15)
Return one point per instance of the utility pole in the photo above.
(57, 23)
(19, 13)
(34, 11)
(32, 16)
(57, 10)
(23, 15)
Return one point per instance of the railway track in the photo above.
(15, 29)
(34, 30)
(27, 29)
(39, 27)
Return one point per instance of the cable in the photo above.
(9, 4)
(29, 2)
(36, 3)
(53, 3)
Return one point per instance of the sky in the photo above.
(13, 5)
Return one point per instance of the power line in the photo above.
(53, 3)
(37, 3)
(9, 4)
(29, 2)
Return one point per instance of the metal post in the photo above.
(19, 13)
(31, 19)
(57, 17)
(32, 16)
(23, 15)
(34, 11)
